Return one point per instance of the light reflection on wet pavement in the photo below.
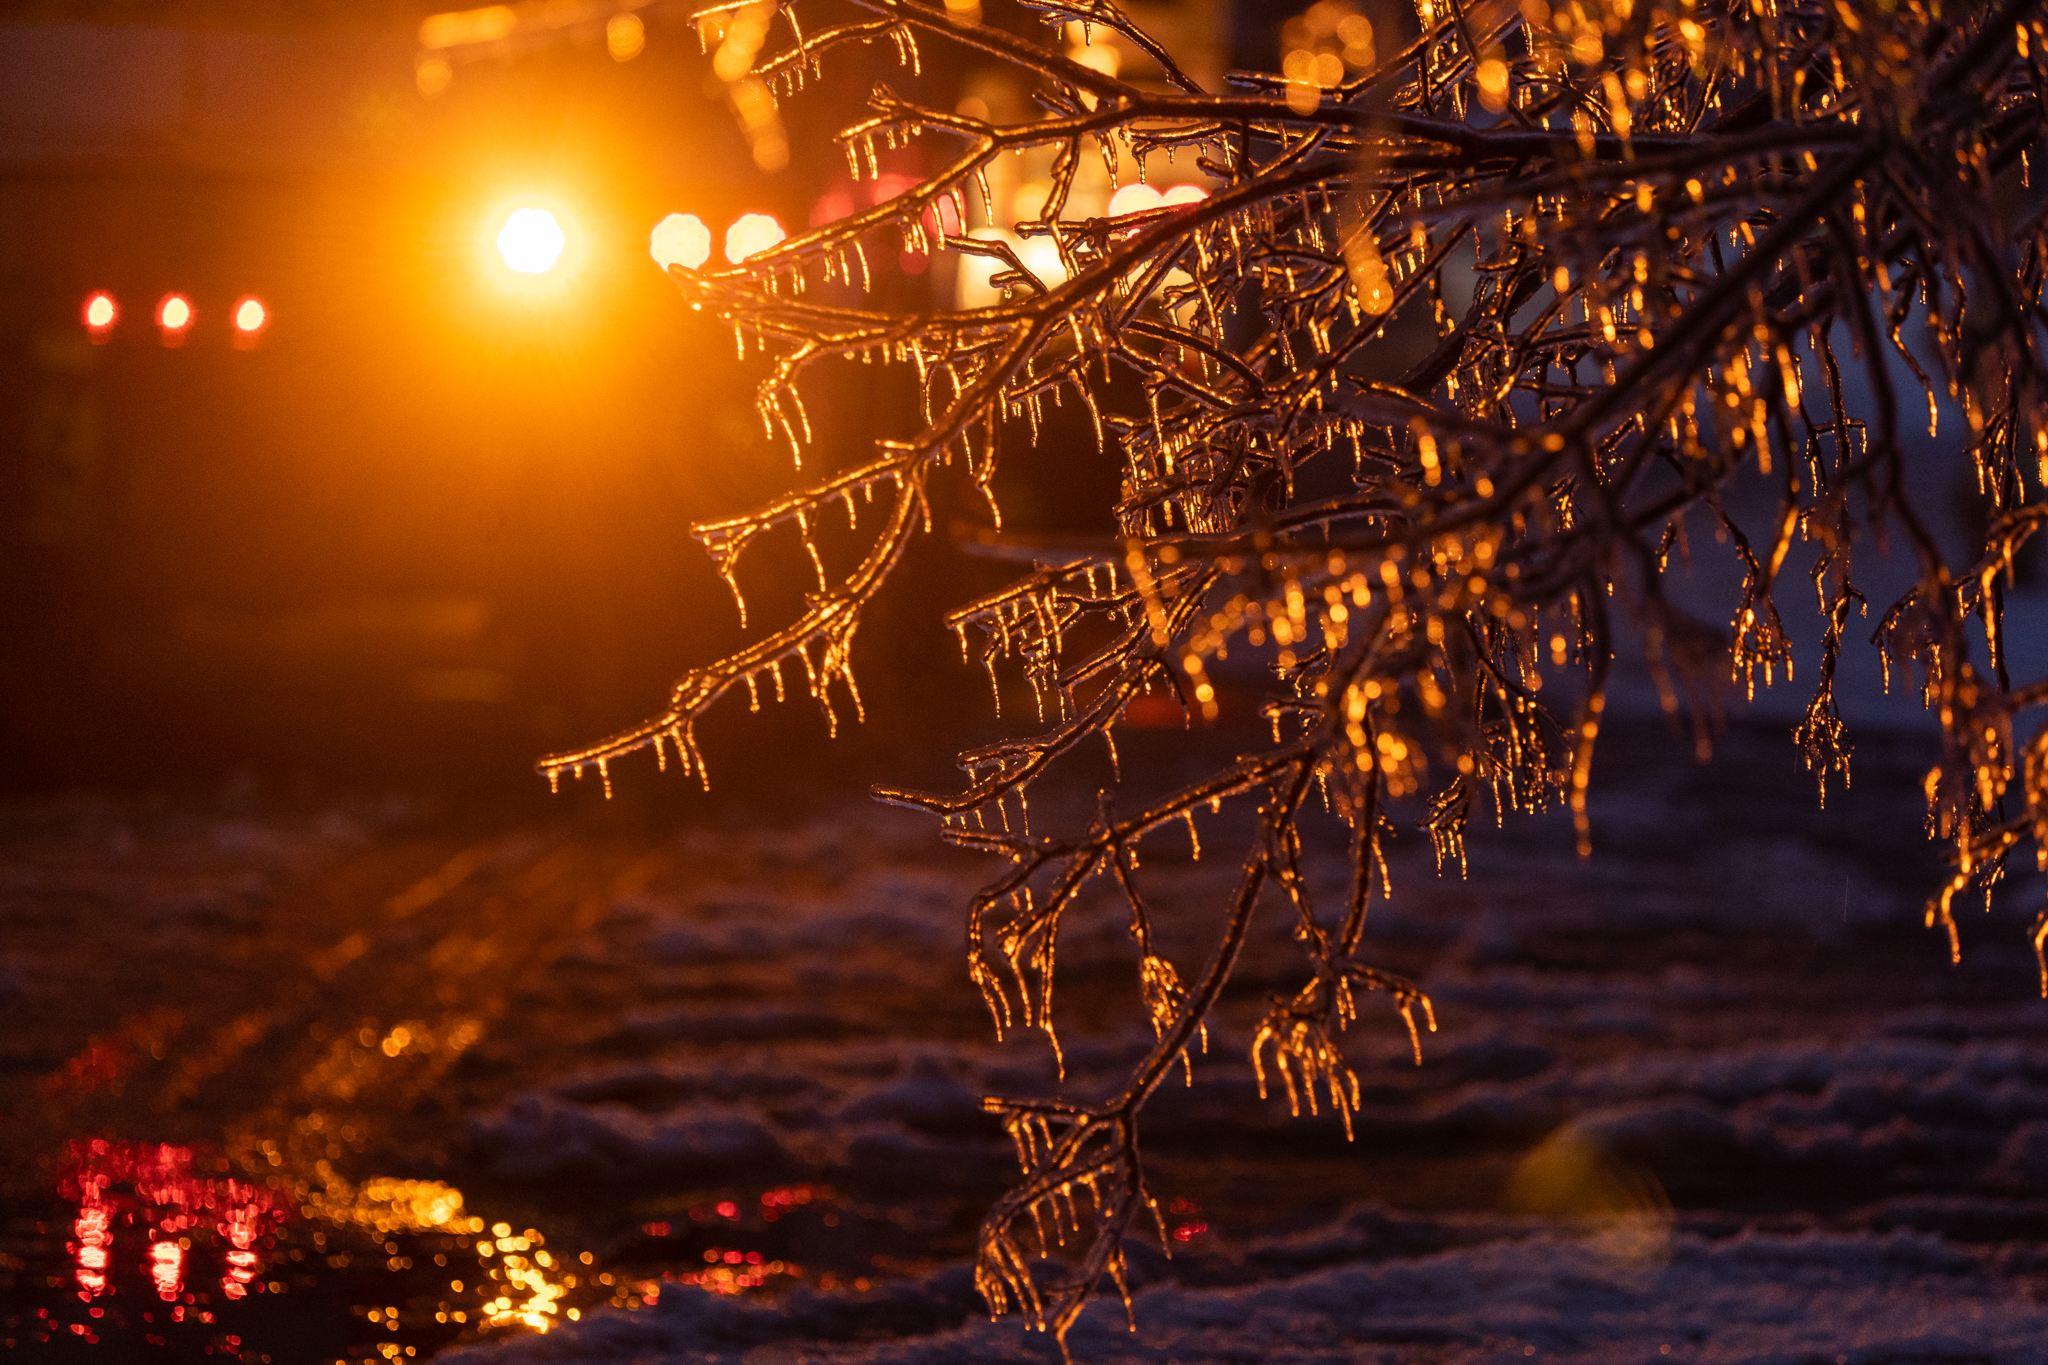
(249, 1156)
(164, 1256)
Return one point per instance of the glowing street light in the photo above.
(100, 314)
(680, 239)
(753, 234)
(174, 319)
(531, 241)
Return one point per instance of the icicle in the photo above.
(860, 710)
(728, 569)
(803, 527)
(1094, 413)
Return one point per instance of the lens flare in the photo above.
(753, 234)
(680, 239)
(100, 312)
(174, 314)
(250, 315)
(531, 241)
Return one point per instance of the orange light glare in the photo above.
(1134, 198)
(1184, 194)
(680, 239)
(753, 234)
(531, 241)
(100, 312)
(250, 315)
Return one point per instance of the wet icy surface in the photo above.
(1716, 1091)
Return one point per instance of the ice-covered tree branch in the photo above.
(1413, 398)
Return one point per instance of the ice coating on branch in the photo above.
(1411, 411)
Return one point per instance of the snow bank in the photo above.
(1868, 1298)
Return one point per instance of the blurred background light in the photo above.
(625, 37)
(173, 319)
(457, 28)
(531, 241)
(432, 76)
(100, 313)
(251, 318)
(1184, 194)
(753, 234)
(1091, 47)
(680, 239)
(1134, 198)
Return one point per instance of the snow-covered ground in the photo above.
(1715, 1095)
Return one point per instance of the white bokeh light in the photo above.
(753, 234)
(680, 239)
(531, 241)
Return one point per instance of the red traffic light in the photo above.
(100, 315)
(251, 318)
(174, 318)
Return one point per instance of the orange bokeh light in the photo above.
(250, 315)
(174, 314)
(100, 311)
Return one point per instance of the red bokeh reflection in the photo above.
(167, 1269)
(95, 1235)
(154, 1186)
